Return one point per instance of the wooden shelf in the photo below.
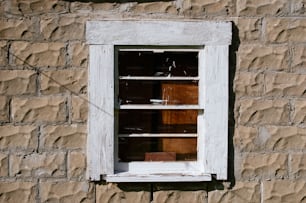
(159, 107)
(159, 135)
(157, 78)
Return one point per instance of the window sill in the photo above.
(128, 177)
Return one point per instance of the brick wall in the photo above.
(43, 107)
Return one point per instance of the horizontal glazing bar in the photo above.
(159, 135)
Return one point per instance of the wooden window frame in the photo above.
(214, 38)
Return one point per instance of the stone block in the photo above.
(18, 137)
(152, 7)
(262, 7)
(79, 108)
(4, 109)
(3, 53)
(81, 7)
(64, 137)
(17, 191)
(284, 191)
(79, 54)
(298, 7)
(249, 29)
(60, 81)
(46, 164)
(259, 111)
(76, 164)
(21, 29)
(3, 165)
(297, 164)
(134, 193)
(248, 84)
(258, 166)
(70, 191)
(63, 28)
(39, 54)
(242, 192)
(39, 109)
(299, 58)
(34, 7)
(279, 30)
(15, 82)
(285, 84)
(299, 113)
(244, 138)
(176, 196)
(258, 57)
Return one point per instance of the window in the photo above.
(159, 100)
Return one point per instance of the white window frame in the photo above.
(215, 38)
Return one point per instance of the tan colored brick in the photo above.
(38, 54)
(112, 193)
(63, 28)
(81, 7)
(262, 7)
(285, 84)
(177, 196)
(242, 192)
(79, 54)
(248, 84)
(4, 109)
(298, 7)
(33, 7)
(39, 109)
(79, 108)
(3, 53)
(284, 191)
(299, 114)
(285, 30)
(76, 165)
(299, 58)
(254, 165)
(257, 57)
(66, 192)
(152, 7)
(3, 165)
(298, 165)
(18, 137)
(254, 111)
(245, 137)
(64, 136)
(59, 81)
(23, 28)
(15, 82)
(21, 192)
(249, 29)
(47, 164)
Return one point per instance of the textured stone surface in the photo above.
(32, 7)
(299, 113)
(18, 137)
(4, 111)
(14, 82)
(64, 136)
(3, 53)
(111, 193)
(298, 165)
(76, 165)
(245, 137)
(79, 55)
(178, 196)
(276, 191)
(299, 58)
(39, 109)
(298, 7)
(22, 28)
(262, 7)
(257, 57)
(74, 81)
(70, 191)
(285, 84)
(249, 29)
(242, 192)
(255, 165)
(255, 111)
(79, 108)
(285, 29)
(47, 164)
(152, 7)
(3, 165)
(248, 84)
(63, 28)
(21, 192)
(38, 54)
